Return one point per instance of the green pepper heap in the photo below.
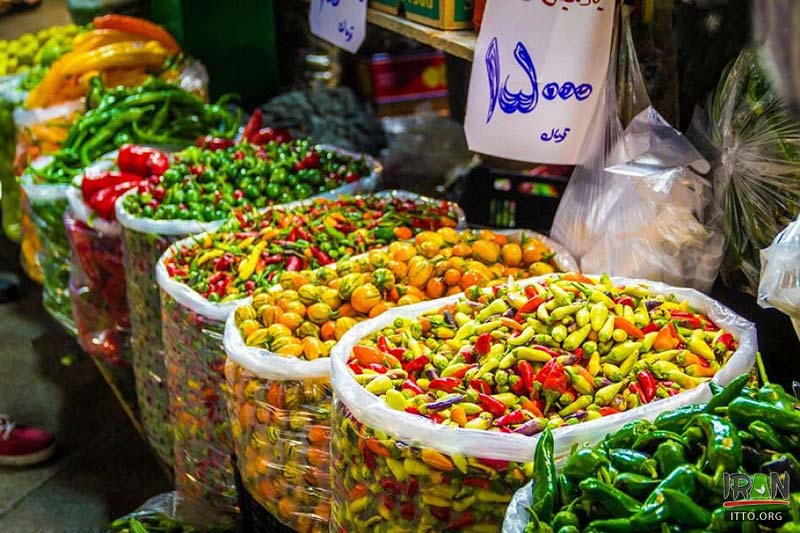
(206, 184)
(676, 481)
(572, 348)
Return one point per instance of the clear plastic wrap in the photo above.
(39, 132)
(780, 274)
(46, 204)
(449, 463)
(754, 142)
(97, 277)
(636, 205)
(164, 512)
(143, 243)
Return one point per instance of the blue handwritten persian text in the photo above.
(347, 30)
(555, 135)
(524, 102)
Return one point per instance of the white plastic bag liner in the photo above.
(635, 206)
(415, 430)
(517, 516)
(24, 118)
(780, 273)
(11, 88)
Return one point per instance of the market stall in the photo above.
(308, 349)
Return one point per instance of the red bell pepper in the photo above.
(103, 200)
(104, 180)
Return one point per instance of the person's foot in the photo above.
(24, 446)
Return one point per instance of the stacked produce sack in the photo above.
(669, 473)
(205, 277)
(97, 274)
(278, 371)
(434, 403)
(23, 62)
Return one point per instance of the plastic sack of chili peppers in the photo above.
(279, 406)
(145, 239)
(451, 458)
(39, 132)
(637, 205)
(192, 329)
(46, 204)
(97, 276)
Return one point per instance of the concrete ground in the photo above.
(102, 468)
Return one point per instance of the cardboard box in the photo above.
(393, 78)
(387, 6)
(442, 14)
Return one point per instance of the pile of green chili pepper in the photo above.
(668, 475)
(250, 249)
(569, 349)
(155, 112)
(206, 184)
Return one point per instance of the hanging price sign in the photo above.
(538, 74)
(342, 23)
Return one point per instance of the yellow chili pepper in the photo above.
(248, 266)
(211, 254)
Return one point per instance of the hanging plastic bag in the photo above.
(97, 276)
(455, 475)
(636, 205)
(754, 143)
(780, 274)
(279, 407)
(168, 512)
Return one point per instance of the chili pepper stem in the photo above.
(762, 371)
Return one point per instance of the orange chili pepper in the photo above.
(139, 26)
(628, 328)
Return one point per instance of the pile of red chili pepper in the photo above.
(570, 349)
(251, 248)
(136, 166)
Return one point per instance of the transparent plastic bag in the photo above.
(165, 512)
(754, 143)
(46, 204)
(636, 205)
(144, 241)
(443, 460)
(39, 132)
(97, 276)
(780, 274)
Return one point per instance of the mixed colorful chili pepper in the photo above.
(315, 308)
(572, 348)
(207, 183)
(251, 249)
(668, 474)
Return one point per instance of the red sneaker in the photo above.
(24, 446)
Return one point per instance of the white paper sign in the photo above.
(537, 77)
(342, 23)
